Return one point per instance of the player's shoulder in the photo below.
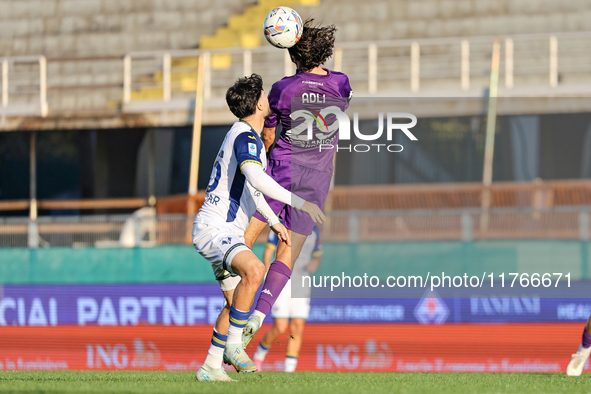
(285, 87)
(242, 130)
(341, 79)
(239, 127)
(338, 74)
(241, 134)
(284, 82)
(342, 82)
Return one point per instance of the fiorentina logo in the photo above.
(431, 310)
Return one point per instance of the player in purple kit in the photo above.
(577, 363)
(299, 163)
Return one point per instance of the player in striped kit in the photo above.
(237, 184)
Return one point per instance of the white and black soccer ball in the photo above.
(283, 27)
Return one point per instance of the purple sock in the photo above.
(277, 277)
(586, 339)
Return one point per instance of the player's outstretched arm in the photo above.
(266, 212)
(265, 184)
(262, 207)
(314, 211)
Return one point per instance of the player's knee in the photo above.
(255, 274)
(259, 274)
(297, 326)
(281, 327)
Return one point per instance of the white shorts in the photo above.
(286, 307)
(219, 245)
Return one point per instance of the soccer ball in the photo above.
(283, 27)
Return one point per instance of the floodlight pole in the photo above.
(151, 168)
(196, 145)
(489, 147)
(33, 230)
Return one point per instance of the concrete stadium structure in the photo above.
(76, 75)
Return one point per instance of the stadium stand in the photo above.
(84, 43)
(400, 19)
(87, 44)
(403, 54)
(107, 27)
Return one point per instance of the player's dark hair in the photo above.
(315, 47)
(243, 96)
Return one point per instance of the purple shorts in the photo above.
(310, 184)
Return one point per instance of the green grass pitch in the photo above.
(301, 382)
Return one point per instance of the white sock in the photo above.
(290, 364)
(238, 320)
(260, 315)
(261, 352)
(215, 356)
(234, 335)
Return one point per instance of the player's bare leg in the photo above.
(270, 337)
(223, 320)
(248, 266)
(254, 229)
(294, 344)
(289, 254)
(251, 271)
(279, 327)
(277, 276)
(577, 363)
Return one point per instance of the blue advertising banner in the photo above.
(195, 304)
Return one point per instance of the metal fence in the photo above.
(96, 230)
(23, 83)
(398, 67)
(158, 81)
(342, 226)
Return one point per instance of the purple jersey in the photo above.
(312, 93)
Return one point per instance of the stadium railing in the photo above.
(146, 229)
(454, 66)
(160, 81)
(538, 195)
(23, 82)
(88, 204)
(551, 209)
